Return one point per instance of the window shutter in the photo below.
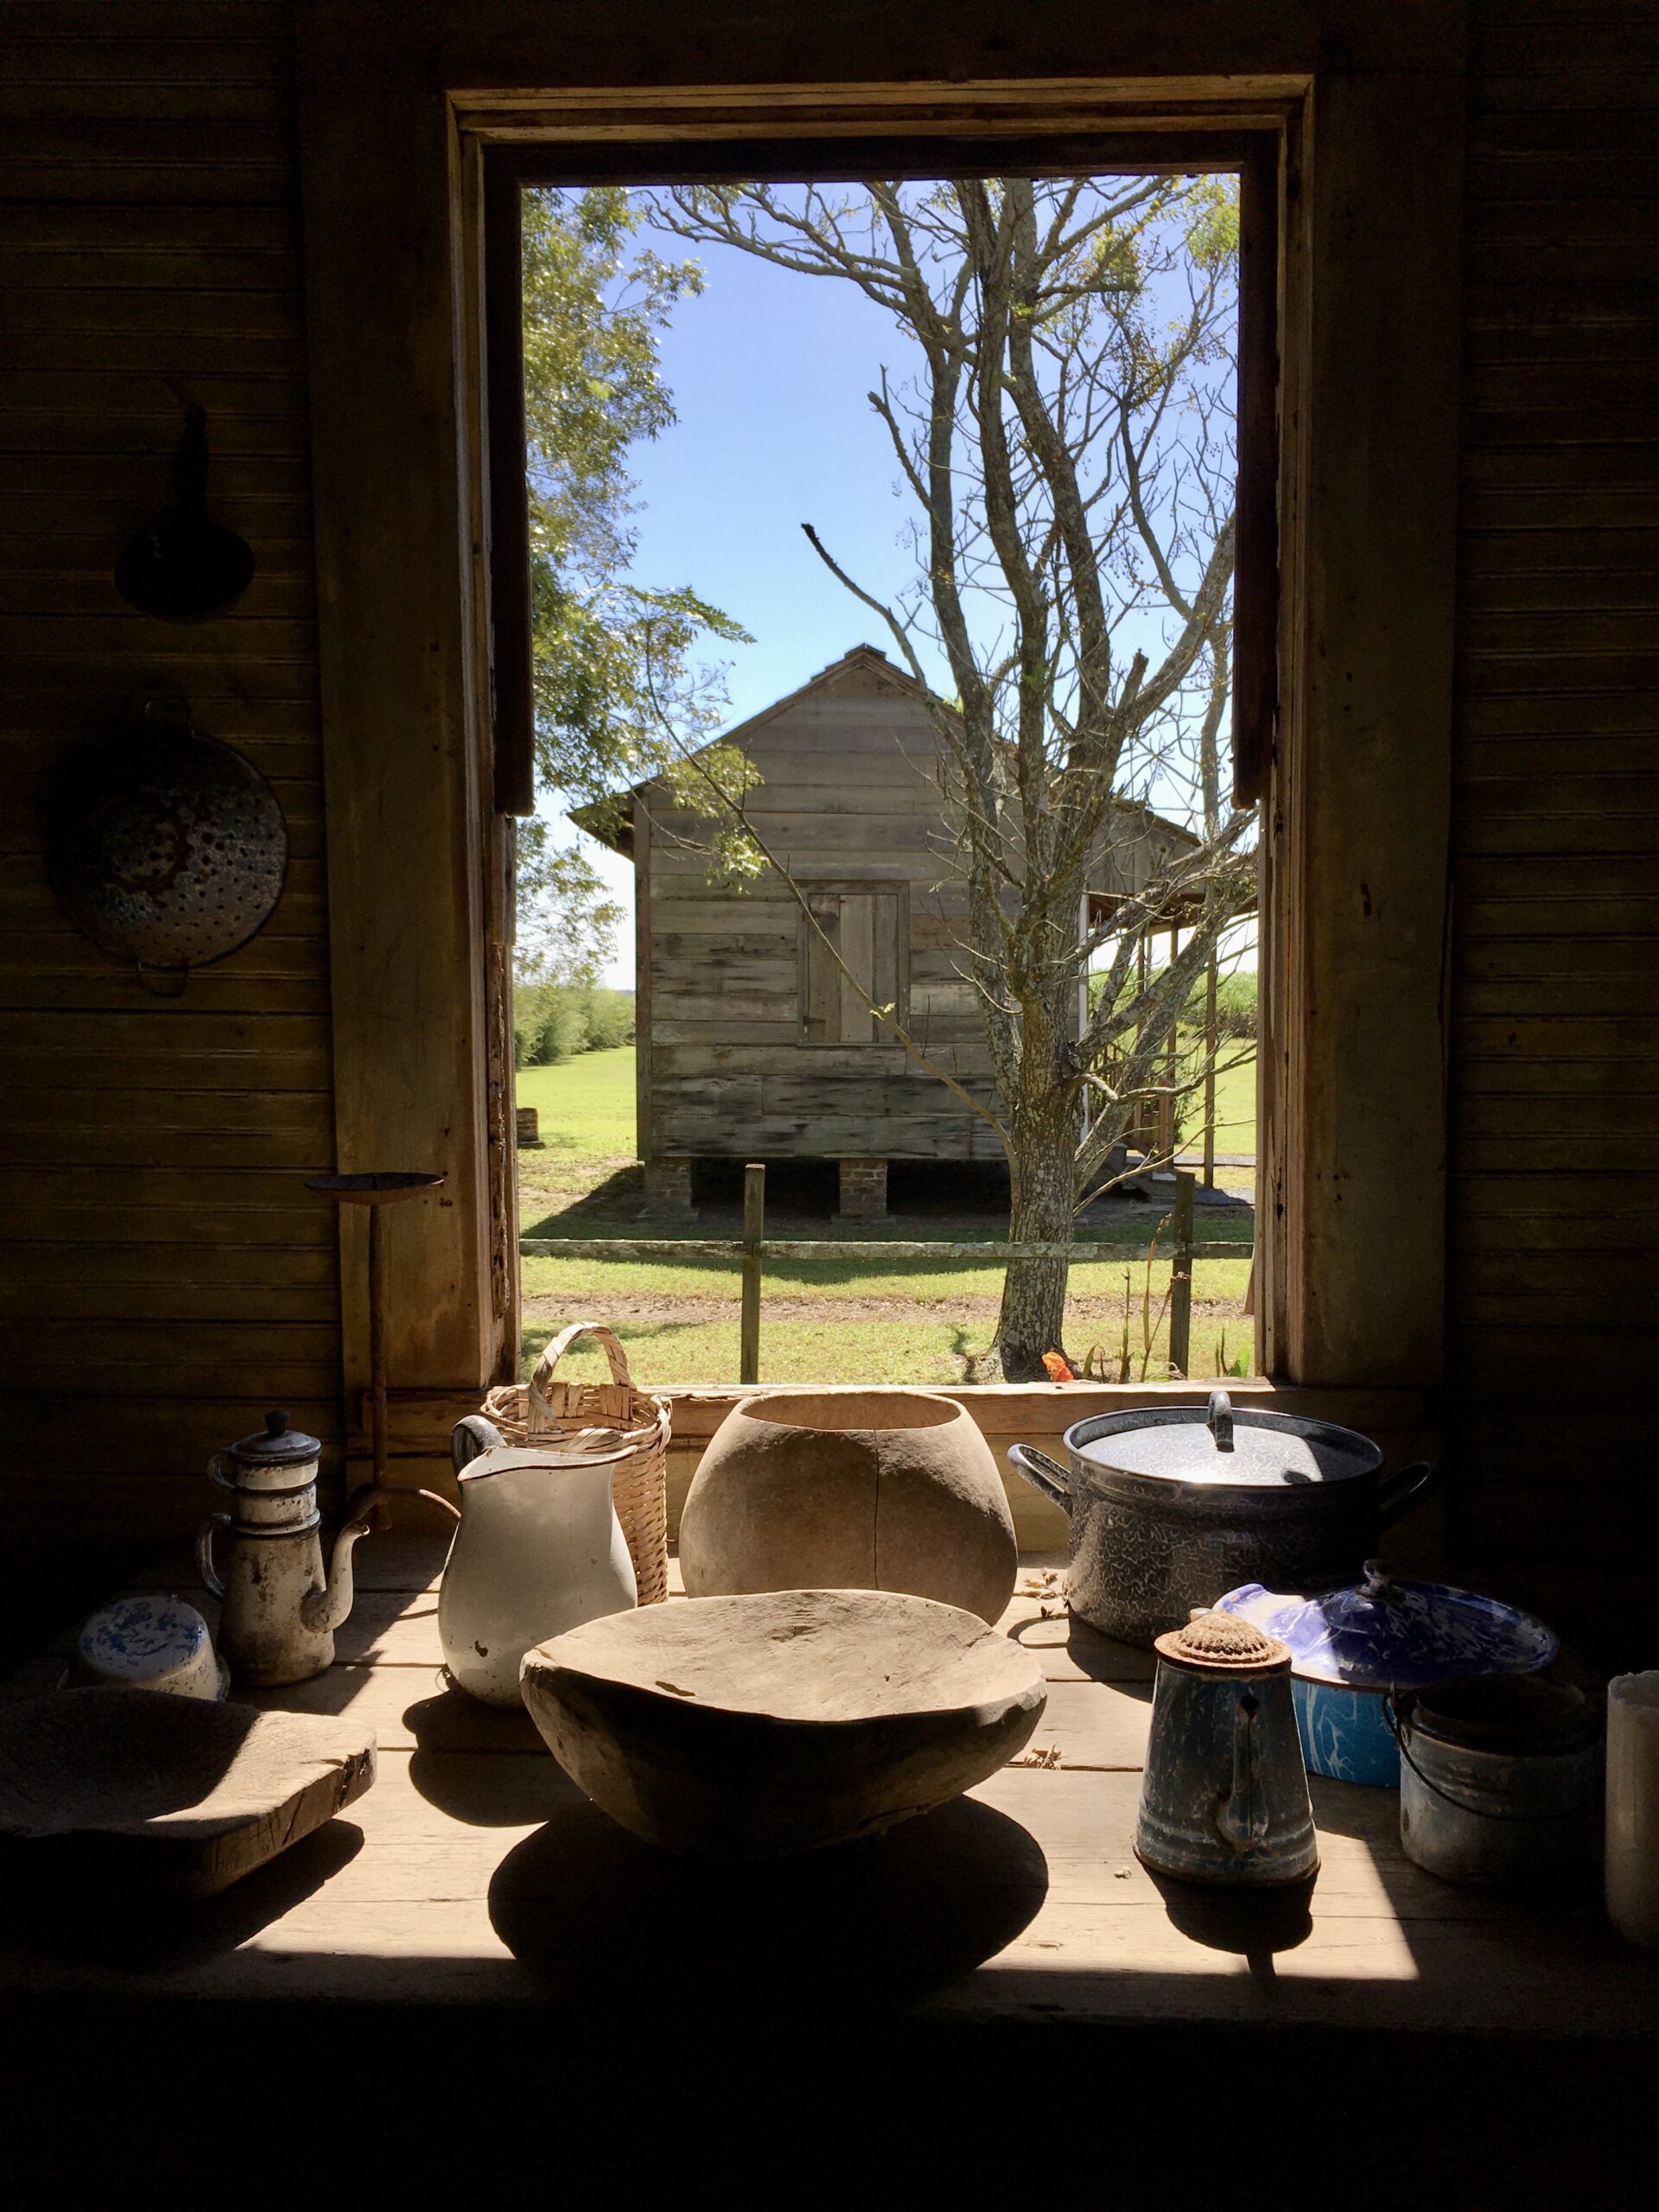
(864, 927)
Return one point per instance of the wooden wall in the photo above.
(164, 1274)
(1555, 1036)
(851, 792)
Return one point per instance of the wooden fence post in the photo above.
(754, 1230)
(1180, 1258)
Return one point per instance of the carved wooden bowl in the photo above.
(754, 1727)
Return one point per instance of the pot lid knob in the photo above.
(280, 1444)
(1213, 1639)
(1220, 1420)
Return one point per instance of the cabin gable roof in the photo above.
(865, 671)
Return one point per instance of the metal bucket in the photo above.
(1500, 1780)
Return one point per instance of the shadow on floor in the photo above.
(55, 1903)
(1252, 1923)
(599, 1915)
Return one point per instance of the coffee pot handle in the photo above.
(1240, 1824)
(205, 1567)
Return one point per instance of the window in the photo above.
(868, 927)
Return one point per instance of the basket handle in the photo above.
(553, 1350)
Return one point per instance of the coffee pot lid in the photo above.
(278, 1447)
(1224, 1641)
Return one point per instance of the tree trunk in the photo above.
(1042, 1162)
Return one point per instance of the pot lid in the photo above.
(1224, 1641)
(1219, 1445)
(1381, 1634)
(279, 1446)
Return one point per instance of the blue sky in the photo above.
(769, 372)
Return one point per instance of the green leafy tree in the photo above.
(596, 301)
(567, 919)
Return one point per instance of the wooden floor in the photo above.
(474, 1872)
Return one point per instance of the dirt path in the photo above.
(897, 1311)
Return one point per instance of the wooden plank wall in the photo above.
(165, 1275)
(850, 795)
(1554, 1035)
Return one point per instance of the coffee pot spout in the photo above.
(327, 1606)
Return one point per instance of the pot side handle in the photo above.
(1043, 1473)
(1402, 1493)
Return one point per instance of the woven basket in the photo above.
(596, 1417)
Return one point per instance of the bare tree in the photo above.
(1062, 422)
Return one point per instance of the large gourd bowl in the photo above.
(755, 1727)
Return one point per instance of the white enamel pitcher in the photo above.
(538, 1550)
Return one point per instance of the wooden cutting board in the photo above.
(172, 1794)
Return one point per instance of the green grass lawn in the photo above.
(586, 1104)
(831, 1320)
(1235, 1104)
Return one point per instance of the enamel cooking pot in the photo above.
(1353, 1648)
(1171, 1506)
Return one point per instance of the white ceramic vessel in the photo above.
(538, 1550)
(1632, 1865)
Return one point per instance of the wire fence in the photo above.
(754, 1249)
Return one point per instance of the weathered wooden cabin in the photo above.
(298, 214)
(753, 1041)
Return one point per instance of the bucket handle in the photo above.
(1399, 1726)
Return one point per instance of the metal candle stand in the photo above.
(376, 1191)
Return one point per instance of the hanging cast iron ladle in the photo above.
(187, 568)
(165, 846)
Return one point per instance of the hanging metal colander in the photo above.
(165, 846)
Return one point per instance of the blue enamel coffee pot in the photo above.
(1223, 1798)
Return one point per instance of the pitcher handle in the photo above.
(1042, 1473)
(471, 1436)
(205, 1567)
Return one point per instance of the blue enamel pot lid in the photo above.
(1381, 1634)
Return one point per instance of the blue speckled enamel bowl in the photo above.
(1351, 1646)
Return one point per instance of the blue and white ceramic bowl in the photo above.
(1351, 1647)
(150, 1643)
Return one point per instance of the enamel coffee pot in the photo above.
(279, 1615)
(1224, 1795)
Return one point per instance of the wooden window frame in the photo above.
(1366, 265)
